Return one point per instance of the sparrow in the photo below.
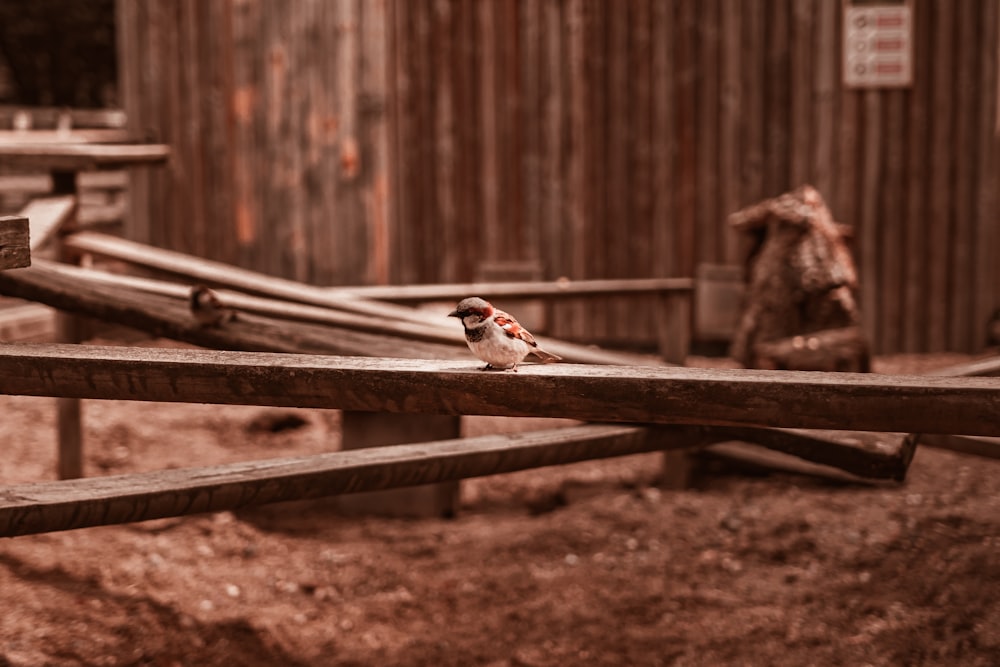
(496, 337)
(207, 308)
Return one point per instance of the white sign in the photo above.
(878, 46)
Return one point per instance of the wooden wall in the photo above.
(382, 141)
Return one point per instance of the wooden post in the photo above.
(69, 329)
(374, 429)
(15, 249)
(675, 326)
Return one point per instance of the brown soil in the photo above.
(589, 564)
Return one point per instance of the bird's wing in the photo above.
(512, 328)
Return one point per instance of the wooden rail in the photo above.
(80, 157)
(839, 401)
(51, 506)
(521, 289)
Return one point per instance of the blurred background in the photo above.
(344, 142)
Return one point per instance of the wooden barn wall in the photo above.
(402, 141)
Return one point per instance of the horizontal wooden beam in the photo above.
(51, 506)
(15, 244)
(519, 290)
(80, 156)
(646, 394)
(49, 116)
(77, 136)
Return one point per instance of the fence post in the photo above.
(378, 429)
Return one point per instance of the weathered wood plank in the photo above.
(360, 323)
(46, 507)
(78, 157)
(161, 309)
(197, 269)
(15, 245)
(859, 453)
(78, 136)
(839, 401)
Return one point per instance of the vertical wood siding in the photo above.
(354, 141)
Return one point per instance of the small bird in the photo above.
(207, 308)
(496, 337)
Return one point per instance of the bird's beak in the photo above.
(454, 313)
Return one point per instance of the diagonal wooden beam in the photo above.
(518, 290)
(197, 269)
(791, 399)
(51, 506)
(164, 312)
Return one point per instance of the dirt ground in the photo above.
(589, 564)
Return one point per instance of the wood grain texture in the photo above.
(866, 402)
(45, 507)
(15, 244)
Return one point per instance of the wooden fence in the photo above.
(644, 395)
(390, 141)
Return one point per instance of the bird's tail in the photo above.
(545, 357)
